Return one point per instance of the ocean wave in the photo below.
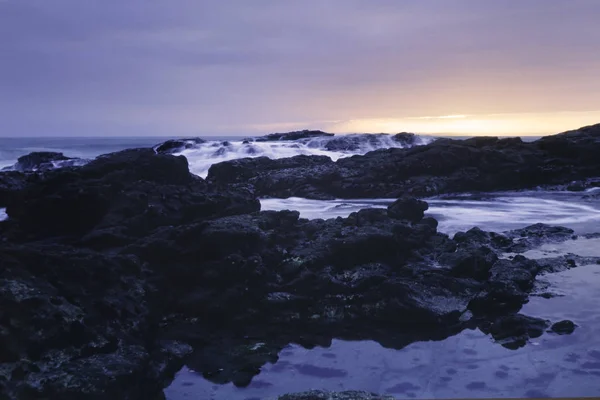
(492, 211)
(201, 155)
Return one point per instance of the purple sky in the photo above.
(186, 67)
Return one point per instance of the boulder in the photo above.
(177, 145)
(133, 191)
(296, 135)
(409, 209)
(38, 161)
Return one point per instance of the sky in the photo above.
(208, 67)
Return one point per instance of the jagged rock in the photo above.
(405, 138)
(11, 182)
(177, 145)
(130, 192)
(38, 160)
(514, 331)
(110, 270)
(444, 166)
(409, 209)
(304, 134)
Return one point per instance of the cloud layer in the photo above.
(179, 67)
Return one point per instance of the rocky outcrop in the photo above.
(119, 196)
(304, 134)
(11, 182)
(177, 145)
(38, 161)
(444, 166)
(112, 273)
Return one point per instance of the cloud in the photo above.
(195, 66)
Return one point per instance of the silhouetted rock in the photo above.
(444, 166)
(120, 196)
(305, 134)
(38, 160)
(409, 209)
(111, 271)
(405, 138)
(177, 145)
(514, 331)
(11, 182)
(565, 327)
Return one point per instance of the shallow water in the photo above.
(493, 211)
(469, 364)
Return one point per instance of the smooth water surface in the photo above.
(497, 212)
(470, 364)
(464, 366)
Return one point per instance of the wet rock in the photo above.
(127, 193)
(304, 134)
(507, 287)
(443, 166)
(11, 182)
(109, 269)
(356, 142)
(475, 262)
(322, 395)
(274, 176)
(177, 145)
(565, 327)
(405, 138)
(77, 324)
(38, 161)
(409, 209)
(514, 331)
(537, 234)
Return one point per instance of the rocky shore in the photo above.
(444, 166)
(115, 274)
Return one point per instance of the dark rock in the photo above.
(109, 269)
(305, 134)
(177, 145)
(11, 182)
(274, 175)
(475, 262)
(565, 327)
(514, 331)
(135, 190)
(409, 209)
(77, 324)
(537, 234)
(354, 142)
(507, 287)
(405, 138)
(443, 166)
(38, 160)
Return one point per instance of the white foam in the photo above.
(512, 212)
(3, 215)
(313, 209)
(203, 155)
(502, 213)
